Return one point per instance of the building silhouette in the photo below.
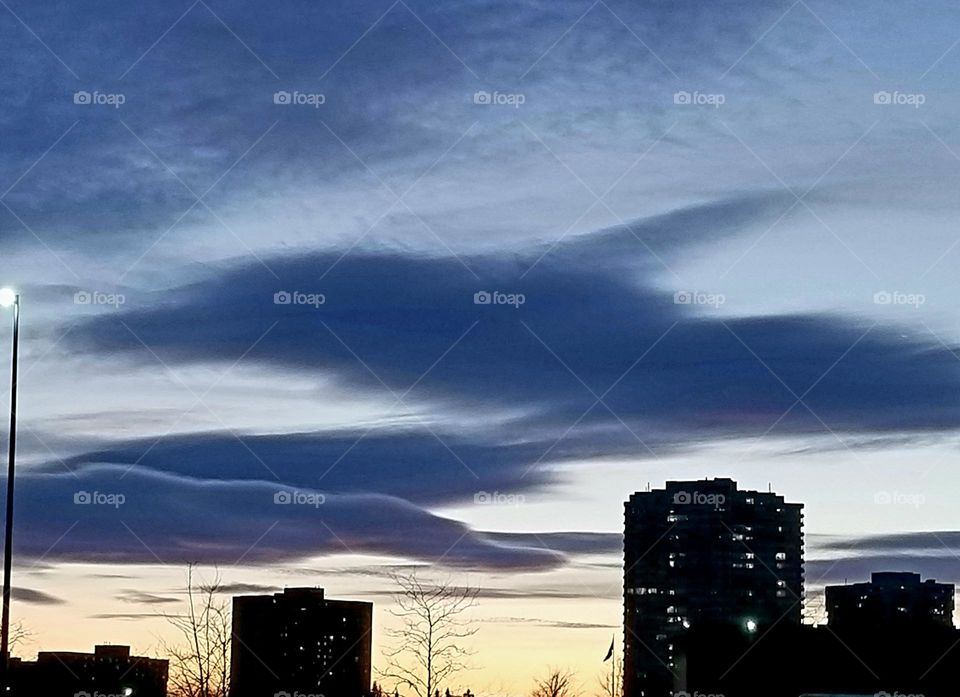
(704, 554)
(109, 670)
(299, 641)
(790, 661)
(891, 636)
(889, 600)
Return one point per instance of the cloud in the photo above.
(409, 464)
(551, 624)
(577, 591)
(857, 569)
(852, 559)
(246, 589)
(595, 322)
(142, 598)
(517, 387)
(198, 91)
(35, 597)
(942, 540)
(576, 543)
(115, 514)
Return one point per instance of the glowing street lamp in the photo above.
(9, 298)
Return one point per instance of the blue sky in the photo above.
(727, 229)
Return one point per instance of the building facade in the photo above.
(109, 670)
(889, 599)
(301, 642)
(703, 554)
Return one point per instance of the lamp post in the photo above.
(9, 298)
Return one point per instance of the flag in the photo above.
(610, 652)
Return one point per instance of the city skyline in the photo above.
(572, 614)
(315, 293)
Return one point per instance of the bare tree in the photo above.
(611, 683)
(428, 647)
(559, 683)
(200, 658)
(814, 608)
(18, 634)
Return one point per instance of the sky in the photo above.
(315, 292)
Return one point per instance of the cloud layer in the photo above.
(600, 359)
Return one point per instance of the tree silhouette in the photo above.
(559, 683)
(428, 647)
(18, 634)
(611, 685)
(200, 660)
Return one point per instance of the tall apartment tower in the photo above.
(299, 641)
(703, 553)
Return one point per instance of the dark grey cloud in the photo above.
(35, 597)
(943, 540)
(575, 591)
(551, 624)
(592, 311)
(246, 589)
(856, 569)
(142, 598)
(111, 513)
(834, 559)
(412, 465)
(112, 576)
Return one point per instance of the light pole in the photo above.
(9, 298)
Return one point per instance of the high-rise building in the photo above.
(888, 600)
(704, 553)
(109, 670)
(299, 641)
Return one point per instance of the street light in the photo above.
(9, 298)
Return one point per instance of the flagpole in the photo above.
(613, 668)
